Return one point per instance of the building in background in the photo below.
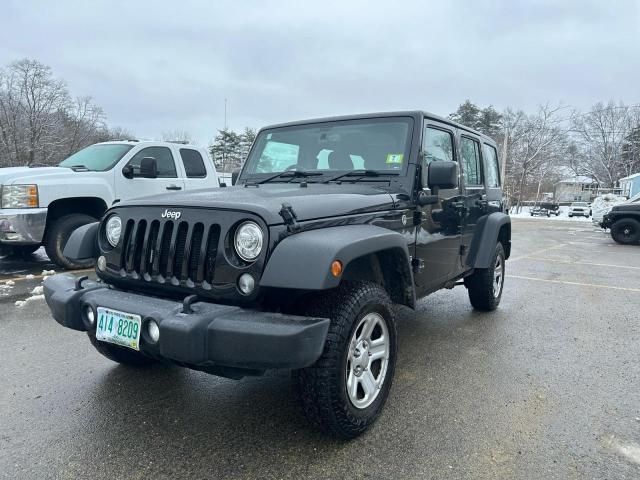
(575, 189)
(630, 185)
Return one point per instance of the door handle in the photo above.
(174, 187)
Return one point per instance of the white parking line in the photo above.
(565, 282)
(555, 260)
(543, 250)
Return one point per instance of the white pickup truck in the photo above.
(44, 205)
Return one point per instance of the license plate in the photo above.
(119, 328)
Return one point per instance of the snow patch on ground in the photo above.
(10, 283)
(48, 272)
(22, 303)
(39, 290)
(31, 276)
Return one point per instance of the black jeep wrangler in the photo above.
(298, 266)
(624, 222)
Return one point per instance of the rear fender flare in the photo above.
(489, 230)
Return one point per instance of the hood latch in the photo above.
(290, 218)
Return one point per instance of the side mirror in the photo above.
(443, 175)
(148, 168)
(127, 171)
(234, 175)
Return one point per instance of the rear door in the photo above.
(475, 195)
(168, 179)
(197, 175)
(438, 235)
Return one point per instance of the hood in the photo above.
(21, 175)
(314, 201)
(627, 207)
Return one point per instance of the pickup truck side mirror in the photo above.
(148, 168)
(127, 171)
(234, 175)
(443, 174)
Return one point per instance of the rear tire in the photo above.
(626, 231)
(57, 236)
(485, 285)
(122, 355)
(344, 392)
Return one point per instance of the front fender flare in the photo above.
(83, 242)
(303, 261)
(485, 238)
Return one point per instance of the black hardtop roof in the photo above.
(408, 113)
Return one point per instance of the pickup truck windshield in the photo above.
(97, 158)
(380, 145)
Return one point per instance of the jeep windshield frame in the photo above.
(327, 149)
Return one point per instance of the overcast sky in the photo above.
(156, 66)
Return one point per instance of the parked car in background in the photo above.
(579, 209)
(44, 205)
(539, 211)
(603, 204)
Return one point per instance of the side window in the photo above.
(164, 159)
(438, 145)
(193, 163)
(491, 167)
(470, 150)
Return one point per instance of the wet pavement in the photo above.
(545, 387)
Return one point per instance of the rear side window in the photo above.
(164, 159)
(471, 160)
(491, 167)
(193, 163)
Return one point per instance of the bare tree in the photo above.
(601, 135)
(537, 146)
(83, 124)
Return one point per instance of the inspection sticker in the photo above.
(395, 158)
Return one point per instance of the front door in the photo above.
(167, 181)
(438, 233)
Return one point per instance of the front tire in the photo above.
(57, 236)
(344, 392)
(122, 355)
(485, 285)
(626, 231)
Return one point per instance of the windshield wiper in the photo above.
(288, 173)
(360, 174)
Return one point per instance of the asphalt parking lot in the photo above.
(545, 387)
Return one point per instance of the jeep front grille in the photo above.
(178, 252)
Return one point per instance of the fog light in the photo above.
(91, 317)
(153, 331)
(102, 263)
(246, 284)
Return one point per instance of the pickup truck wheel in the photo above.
(485, 284)
(122, 355)
(626, 231)
(345, 390)
(56, 238)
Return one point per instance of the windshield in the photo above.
(579, 204)
(97, 158)
(341, 146)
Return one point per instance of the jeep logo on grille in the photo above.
(172, 215)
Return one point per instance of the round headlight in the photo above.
(248, 241)
(113, 230)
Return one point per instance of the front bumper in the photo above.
(210, 337)
(22, 226)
